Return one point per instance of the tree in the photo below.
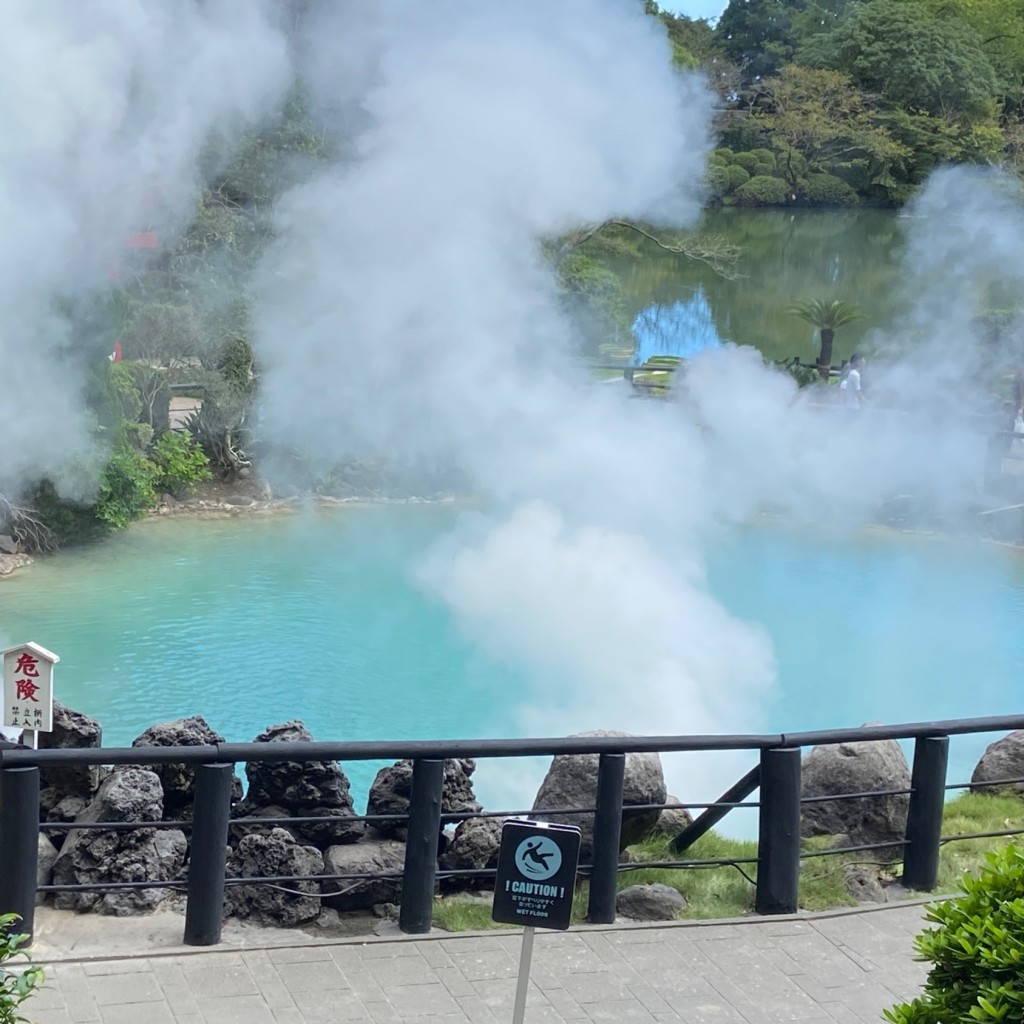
(818, 121)
(827, 317)
(757, 35)
(911, 58)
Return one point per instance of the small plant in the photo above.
(180, 462)
(977, 950)
(15, 986)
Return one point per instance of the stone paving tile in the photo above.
(836, 970)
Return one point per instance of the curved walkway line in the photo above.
(838, 966)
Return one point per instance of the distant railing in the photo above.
(777, 775)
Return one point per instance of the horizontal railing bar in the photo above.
(808, 854)
(906, 731)
(983, 835)
(451, 749)
(853, 796)
(113, 826)
(979, 785)
(99, 886)
(230, 753)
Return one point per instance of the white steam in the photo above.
(408, 311)
(106, 106)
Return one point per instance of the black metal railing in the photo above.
(776, 775)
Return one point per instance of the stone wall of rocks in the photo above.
(268, 835)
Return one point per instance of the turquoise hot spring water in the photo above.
(255, 620)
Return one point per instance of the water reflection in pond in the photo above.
(786, 255)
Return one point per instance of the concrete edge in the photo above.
(438, 935)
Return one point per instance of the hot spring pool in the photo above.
(251, 621)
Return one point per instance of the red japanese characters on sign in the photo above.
(28, 687)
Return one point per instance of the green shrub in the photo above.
(126, 488)
(747, 161)
(15, 986)
(764, 157)
(716, 180)
(735, 176)
(180, 463)
(827, 190)
(977, 950)
(723, 155)
(768, 170)
(763, 191)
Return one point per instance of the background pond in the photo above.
(255, 621)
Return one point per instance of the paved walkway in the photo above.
(836, 967)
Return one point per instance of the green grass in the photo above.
(719, 892)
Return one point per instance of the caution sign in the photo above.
(536, 874)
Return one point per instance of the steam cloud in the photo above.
(107, 105)
(407, 310)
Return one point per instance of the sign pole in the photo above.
(533, 886)
(525, 957)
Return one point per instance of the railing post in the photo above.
(778, 842)
(417, 906)
(207, 861)
(607, 831)
(19, 845)
(924, 817)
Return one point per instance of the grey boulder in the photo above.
(71, 730)
(391, 793)
(304, 789)
(368, 856)
(650, 902)
(1003, 759)
(104, 855)
(859, 767)
(275, 853)
(474, 847)
(571, 781)
(178, 780)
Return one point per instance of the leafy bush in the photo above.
(723, 155)
(764, 156)
(827, 190)
(735, 176)
(765, 168)
(977, 950)
(747, 161)
(763, 191)
(180, 462)
(126, 489)
(15, 986)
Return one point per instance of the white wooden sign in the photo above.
(28, 687)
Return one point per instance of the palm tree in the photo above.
(827, 317)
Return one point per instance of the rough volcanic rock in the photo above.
(304, 789)
(178, 780)
(44, 865)
(1003, 759)
(392, 790)
(71, 729)
(863, 884)
(672, 820)
(864, 766)
(275, 853)
(368, 856)
(474, 847)
(571, 781)
(651, 902)
(103, 855)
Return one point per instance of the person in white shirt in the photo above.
(850, 392)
